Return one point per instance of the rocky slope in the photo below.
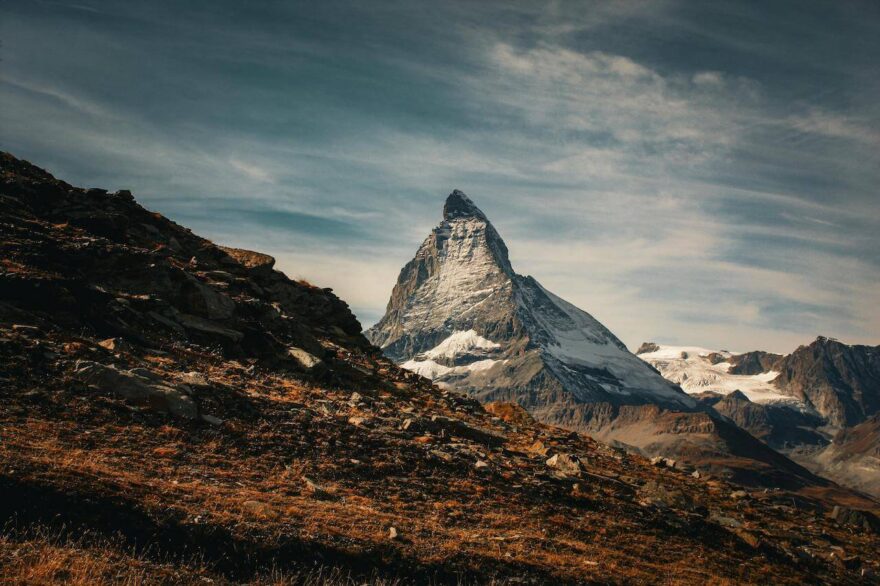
(852, 458)
(173, 412)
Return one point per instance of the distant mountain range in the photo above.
(818, 405)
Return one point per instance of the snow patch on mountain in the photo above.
(581, 340)
(698, 370)
(461, 342)
(433, 370)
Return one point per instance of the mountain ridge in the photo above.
(808, 404)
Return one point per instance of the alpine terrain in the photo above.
(818, 405)
(461, 316)
(177, 412)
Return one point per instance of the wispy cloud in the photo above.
(671, 167)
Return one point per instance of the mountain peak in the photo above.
(459, 205)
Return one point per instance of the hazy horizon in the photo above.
(701, 175)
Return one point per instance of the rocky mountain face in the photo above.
(461, 316)
(840, 381)
(806, 404)
(176, 412)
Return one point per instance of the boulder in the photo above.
(856, 519)
(115, 345)
(306, 361)
(139, 386)
(661, 462)
(662, 496)
(257, 263)
(206, 327)
(458, 428)
(566, 463)
(509, 413)
(205, 301)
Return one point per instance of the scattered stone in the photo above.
(567, 464)
(211, 419)
(23, 328)
(854, 518)
(195, 379)
(115, 345)
(257, 263)
(315, 490)
(539, 448)
(392, 533)
(357, 421)
(207, 327)
(750, 538)
(509, 413)
(441, 455)
(661, 496)
(307, 361)
(205, 301)
(459, 428)
(481, 464)
(725, 521)
(739, 495)
(661, 462)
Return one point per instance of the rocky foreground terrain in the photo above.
(176, 412)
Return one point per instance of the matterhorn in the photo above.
(460, 315)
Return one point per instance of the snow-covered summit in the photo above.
(461, 315)
(461, 343)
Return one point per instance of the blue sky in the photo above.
(701, 173)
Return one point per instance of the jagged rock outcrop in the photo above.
(98, 261)
(782, 426)
(755, 362)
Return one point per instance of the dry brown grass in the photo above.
(239, 490)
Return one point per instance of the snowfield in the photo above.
(460, 343)
(689, 366)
